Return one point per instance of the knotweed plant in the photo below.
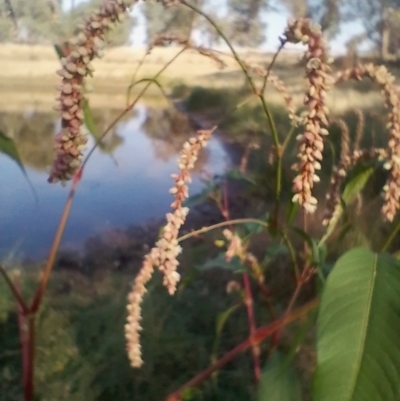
(385, 80)
(88, 44)
(164, 254)
(311, 142)
(357, 345)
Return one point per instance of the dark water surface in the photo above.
(126, 183)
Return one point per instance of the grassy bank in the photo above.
(28, 72)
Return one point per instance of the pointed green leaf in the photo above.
(253, 228)
(220, 261)
(190, 393)
(273, 251)
(236, 174)
(300, 336)
(292, 212)
(317, 253)
(358, 341)
(59, 51)
(223, 317)
(7, 146)
(278, 382)
(351, 190)
(89, 119)
(195, 200)
(200, 197)
(357, 184)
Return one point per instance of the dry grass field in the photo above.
(27, 76)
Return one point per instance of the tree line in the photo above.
(243, 21)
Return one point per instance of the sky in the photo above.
(276, 22)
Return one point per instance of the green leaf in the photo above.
(292, 212)
(91, 126)
(253, 228)
(278, 382)
(358, 342)
(89, 119)
(357, 184)
(300, 336)
(200, 197)
(273, 251)
(317, 253)
(222, 318)
(236, 174)
(195, 200)
(220, 261)
(189, 393)
(351, 190)
(59, 51)
(7, 147)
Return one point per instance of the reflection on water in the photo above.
(126, 182)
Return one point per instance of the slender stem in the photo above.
(391, 237)
(250, 313)
(29, 395)
(234, 109)
(305, 229)
(279, 172)
(306, 274)
(222, 224)
(54, 248)
(262, 333)
(263, 288)
(155, 82)
(292, 255)
(131, 106)
(17, 295)
(26, 328)
(245, 71)
(281, 46)
(133, 80)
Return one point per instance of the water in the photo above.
(124, 184)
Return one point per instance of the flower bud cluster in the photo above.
(88, 44)
(310, 142)
(164, 254)
(385, 80)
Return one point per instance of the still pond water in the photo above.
(126, 183)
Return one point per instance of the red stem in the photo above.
(30, 370)
(259, 335)
(306, 274)
(56, 242)
(26, 326)
(250, 313)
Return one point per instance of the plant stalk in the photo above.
(262, 333)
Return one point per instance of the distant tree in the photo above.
(44, 21)
(327, 13)
(174, 19)
(244, 24)
(34, 20)
(380, 19)
(208, 32)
